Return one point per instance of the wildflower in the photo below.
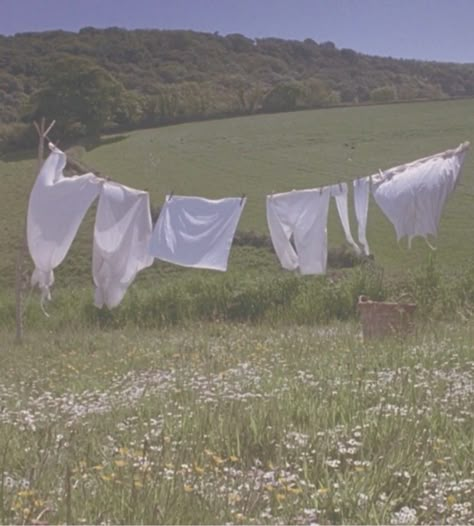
(188, 488)
(120, 463)
(218, 460)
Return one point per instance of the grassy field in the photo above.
(236, 397)
(258, 155)
(220, 423)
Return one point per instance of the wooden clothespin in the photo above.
(242, 199)
(340, 186)
(170, 196)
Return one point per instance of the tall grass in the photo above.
(220, 423)
(255, 297)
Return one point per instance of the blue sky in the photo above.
(424, 29)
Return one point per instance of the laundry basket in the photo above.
(382, 318)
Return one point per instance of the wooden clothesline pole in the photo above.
(19, 284)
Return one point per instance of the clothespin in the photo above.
(340, 186)
(170, 196)
(320, 190)
(242, 199)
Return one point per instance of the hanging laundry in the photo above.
(56, 208)
(122, 235)
(361, 208)
(413, 196)
(339, 192)
(300, 216)
(196, 232)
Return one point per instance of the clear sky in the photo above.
(440, 30)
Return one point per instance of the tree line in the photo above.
(100, 80)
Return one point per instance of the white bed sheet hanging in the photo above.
(122, 235)
(56, 208)
(413, 196)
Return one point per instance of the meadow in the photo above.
(237, 424)
(247, 397)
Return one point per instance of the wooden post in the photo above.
(19, 285)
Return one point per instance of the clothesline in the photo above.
(198, 232)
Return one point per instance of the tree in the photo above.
(283, 97)
(80, 95)
(383, 94)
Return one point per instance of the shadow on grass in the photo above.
(19, 155)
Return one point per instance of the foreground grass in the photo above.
(219, 423)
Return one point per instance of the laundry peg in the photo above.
(340, 186)
(242, 199)
(320, 190)
(170, 196)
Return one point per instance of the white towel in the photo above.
(339, 192)
(361, 208)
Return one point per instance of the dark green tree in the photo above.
(80, 95)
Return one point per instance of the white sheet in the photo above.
(56, 208)
(122, 235)
(196, 232)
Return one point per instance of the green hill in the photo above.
(260, 154)
(178, 76)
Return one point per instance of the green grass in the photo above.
(222, 423)
(260, 154)
(166, 410)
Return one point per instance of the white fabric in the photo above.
(196, 232)
(302, 216)
(413, 197)
(361, 208)
(56, 208)
(121, 239)
(339, 192)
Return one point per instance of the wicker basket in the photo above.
(381, 318)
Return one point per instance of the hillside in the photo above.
(260, 154)
(174, 76)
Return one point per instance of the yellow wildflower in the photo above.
(218, 460)
(295, 490)
(188, 488)
(451, 500)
